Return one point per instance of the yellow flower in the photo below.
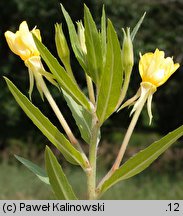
(155, 68)
(22, 43)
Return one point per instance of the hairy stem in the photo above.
(91, 175)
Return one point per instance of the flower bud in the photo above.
(61, 44)
(81, 35)
(127, 51)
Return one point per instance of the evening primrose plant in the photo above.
(107, 65)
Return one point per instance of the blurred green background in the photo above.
(163, 29)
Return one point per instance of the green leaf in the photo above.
(65, 81)
(38, 171)
(103, 34)
(143, 159)
(93, 45)
(111, 82)
(46, 127)
(74, 39)
(136, 28)
(58, 180)
(82, 117)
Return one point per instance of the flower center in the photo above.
(159, 74)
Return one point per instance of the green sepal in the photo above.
(31, 83)
(50, 77)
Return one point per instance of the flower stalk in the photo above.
(128, 134)
(56, 109)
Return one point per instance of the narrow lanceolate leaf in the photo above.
(74, 39)
(103, 35)
(93, 45)
(46, 127)
(136, 28)
(111, 82)
(61, 76)
(57, 178)
(38, 171)
(143, 159)
(82, 117)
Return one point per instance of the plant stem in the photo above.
(90, 89)
(125, 87)
(41, 83)
(69, 70)
(128, 135)
(91, 175)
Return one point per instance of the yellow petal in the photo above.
(22, 43)
(23, 27)
(10, 38)
(37, 33)
(155, 68)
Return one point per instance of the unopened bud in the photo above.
(61, 43)
(81, 35)
(127, 51)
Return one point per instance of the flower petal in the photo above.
(10, 38)
(22, 43)
(155, 68)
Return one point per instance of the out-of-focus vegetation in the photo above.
(148, 185)
(162, 28)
